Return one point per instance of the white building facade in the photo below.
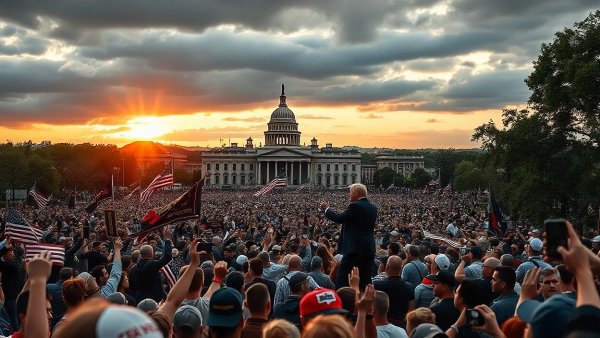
(282, 156)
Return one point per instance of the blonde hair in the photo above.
(417, 317)
(280, 328)
(328, 326)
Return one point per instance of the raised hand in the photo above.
(118, 244)
(354, 278)
(365, 304)
(194, 254)
(220, 270)
(39, 267)
(529, 287)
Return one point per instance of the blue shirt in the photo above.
(528, 265)
(413, 272)
(504, 306)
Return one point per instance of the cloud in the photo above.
(245, 119)
(432, 121)
(313, 117)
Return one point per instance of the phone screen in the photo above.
(203, 246)
(556, 235)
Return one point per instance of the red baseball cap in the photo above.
(321, 301)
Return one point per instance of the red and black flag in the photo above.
(106, 193)
(496, 222)
(185, 207)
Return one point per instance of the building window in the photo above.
(353, 179)
(225, 166)
(225, 179)
(217, 178)
(242, 180)
(243, 166)
(217, 166)
(328, 181)
(318, 167)
(328, 168)
(354, 167)
(234, 179)
(234, 167)
(345, 167)
(207, 166)
(336, 180)
(337, 167)
(344, 180)
(319, 180)
(251, 166)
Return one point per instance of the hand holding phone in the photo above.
(556, 235)
(474, 318)
(204, 246)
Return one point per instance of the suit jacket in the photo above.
(358, 227)
(145, 277)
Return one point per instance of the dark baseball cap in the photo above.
(297, 279)
(225, 308)
(443, 277)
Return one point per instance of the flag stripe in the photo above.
(163, 179)
(20, 229)
(169, 276)
(57, 252)
(448, 241)
(39, 199)
(278, 182)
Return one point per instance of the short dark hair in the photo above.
(257, 297)
(197, 281)
(507, 275)
(470, 292)
(414, 250)
(565, 275)
(97, 272)
(65, 273)
(348, 297)
(394, 248)
(255, 265)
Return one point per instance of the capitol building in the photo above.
(283, 156)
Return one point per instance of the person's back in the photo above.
(145, 278)
(54, 290)
(384, 328)
(414, 270)
(401, 295)
(259, 304)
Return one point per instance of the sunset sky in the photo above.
(386, 73)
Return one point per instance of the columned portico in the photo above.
(296, 171)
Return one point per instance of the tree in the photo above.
(420, 177)
(544, 162)
(383, 177)
(13, 167)
(467, 177)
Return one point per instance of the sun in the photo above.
(144, 128)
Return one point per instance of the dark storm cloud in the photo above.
(22, 42)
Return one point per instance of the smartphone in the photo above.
(556, 235)
(86, 232)
(464, 250)
(474, 318)
(204, 246)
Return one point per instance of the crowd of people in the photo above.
(288, 265)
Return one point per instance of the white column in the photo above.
(268, 169)
(276, 169)
(292, 172)
(257, 180)
(300, 173)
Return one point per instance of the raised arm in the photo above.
(179, 290)
(112, 283)
(38, 270)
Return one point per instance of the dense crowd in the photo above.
(266, 267)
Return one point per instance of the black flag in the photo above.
(186, 206)
(106, 193)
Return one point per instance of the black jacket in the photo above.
(289, 310)
(358, 228)
(145, 276)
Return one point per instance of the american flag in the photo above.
(39, 199)
(448, 241)
(169, 276)
(278, 182)
(57, 252)
(20, 230)
(164, 179)
(590, 209)
(447, 189)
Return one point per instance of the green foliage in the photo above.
(545, 162)
(420, 178)
(384, 177)
(467, 177)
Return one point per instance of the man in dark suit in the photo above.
(357, 238)
(144, 277)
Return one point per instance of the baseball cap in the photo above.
(338, 257)
(443, 276)
(596, 239)
(321, 301)
(241, 259)
(276, 248)
(442, 261)
(550, 318)
(296, 280)
(188, 316)
(118, 321)
(427, 330)
(394, 233)
(536, 244)
(225, 308)
(148, 305)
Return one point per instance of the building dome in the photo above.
(283, 113)
(282, 128)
